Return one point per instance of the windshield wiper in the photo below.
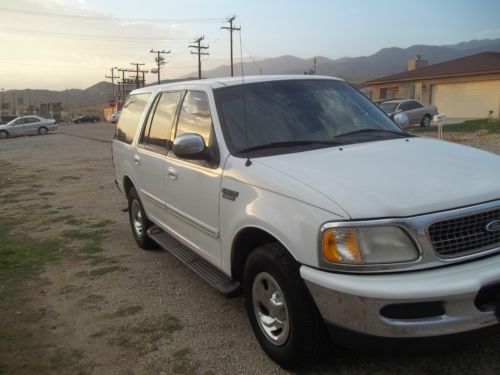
(288, 144)
(368, 131)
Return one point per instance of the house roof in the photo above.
(481, 63)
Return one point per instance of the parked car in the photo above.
(27, 125)
(113, 118)
(86, 118)
(4, 119)
(301, 193)
(417, 113)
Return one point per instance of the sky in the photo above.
(59, 44)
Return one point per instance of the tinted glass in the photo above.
(158, 131)
(388, 107)
(195, 116)
(129, 119)
(415, 105)
(404, 106)
(290, 111)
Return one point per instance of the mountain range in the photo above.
(355, 69)
(359, 69)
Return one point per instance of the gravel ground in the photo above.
(122, 310)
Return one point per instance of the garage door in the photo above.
(467, 100)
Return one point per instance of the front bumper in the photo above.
(356, 302)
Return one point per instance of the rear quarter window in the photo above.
(130, 116)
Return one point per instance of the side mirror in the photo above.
(401, 119)
(190, 146)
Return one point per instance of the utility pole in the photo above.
(159, 60)
(112, 76)
(67, 106)
(121, 88)
(231, 29)
(137, 71)
(14, 98)
(3, 103)
(199, 48)
(315, 60)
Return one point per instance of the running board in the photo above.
(200, 266)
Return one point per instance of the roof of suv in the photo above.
(215, 83)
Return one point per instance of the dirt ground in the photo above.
(92, 302)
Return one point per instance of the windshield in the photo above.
(388, 107)
(297, 112)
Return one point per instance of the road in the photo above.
(104, 306)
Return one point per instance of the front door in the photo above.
(192, 187)
(17, 127)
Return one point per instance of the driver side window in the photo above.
(195, 116)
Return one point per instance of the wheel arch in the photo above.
(127, 185)
(245, 241)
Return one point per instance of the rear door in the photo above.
(31, 125)
(152, 147)
(414, 112)
(192, 187)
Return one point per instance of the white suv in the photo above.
(300, 192)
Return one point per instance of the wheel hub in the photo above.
(270, 308)
(137, 219)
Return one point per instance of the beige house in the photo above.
(468, 87)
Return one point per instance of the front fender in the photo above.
(293, 222)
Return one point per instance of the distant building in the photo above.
(468, 87)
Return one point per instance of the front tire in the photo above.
(426, 121)
(3, 134)
(282, 313)
(138, 221)
(42, 131)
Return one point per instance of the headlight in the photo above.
(368, 245)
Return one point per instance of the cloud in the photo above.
(489, 33)
(43, 50)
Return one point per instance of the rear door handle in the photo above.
(137, 160)
(172, 173)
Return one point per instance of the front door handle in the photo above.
(172, 173)
(137, 160)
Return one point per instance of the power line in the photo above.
(231, 29)
(137, 71)
(88, 37)
(199, 51)
(159, 60)
(122, 86)
(108, 18)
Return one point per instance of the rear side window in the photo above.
(415, 105)
(195, 116)
(159, 126)
(129, 119)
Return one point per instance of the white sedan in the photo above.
(27, 125)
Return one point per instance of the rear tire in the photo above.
(426, 121)
(282, 313)
(42, 130)
(139, 221)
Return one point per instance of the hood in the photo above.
(395, 178)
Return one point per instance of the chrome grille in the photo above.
(464, 235)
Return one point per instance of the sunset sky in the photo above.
(58, 44)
